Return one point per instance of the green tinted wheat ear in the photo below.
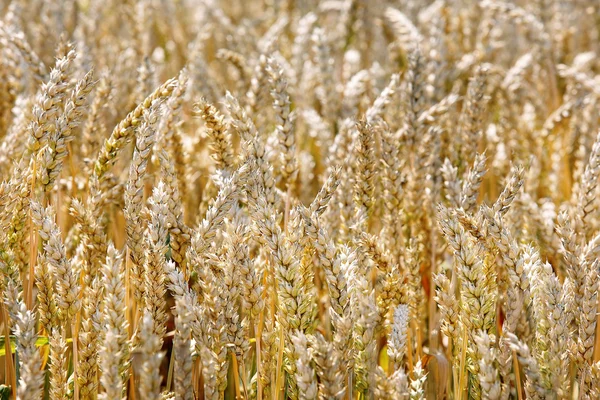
(551, 326)
(268, 362)
(294, 300)
(472, 270)
(388, 294)
(478, 286)
(511, 257)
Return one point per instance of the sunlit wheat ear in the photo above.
(67, 287)
(55, 152)
(47, 108)
(58, 364)
(150, 379)
(218, 132)
(134, 199)
(397, 339)
(114, 353)
(123, 132)
(284, 130)
(182, 347)
(31, 377)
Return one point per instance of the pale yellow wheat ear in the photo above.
(341, 200)
(123, 132)
(150, 379)
(154, 266)
(397, 339)
(58, 364)
(30, 382)
(134, 199)
(54, 153)
(218, 132)
(284, 129)
(114, 353)
(182, 347)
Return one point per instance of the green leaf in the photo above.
(40, 342)
(4, 392)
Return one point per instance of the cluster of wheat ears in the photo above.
(279, 199)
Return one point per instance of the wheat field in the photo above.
(280, 199)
